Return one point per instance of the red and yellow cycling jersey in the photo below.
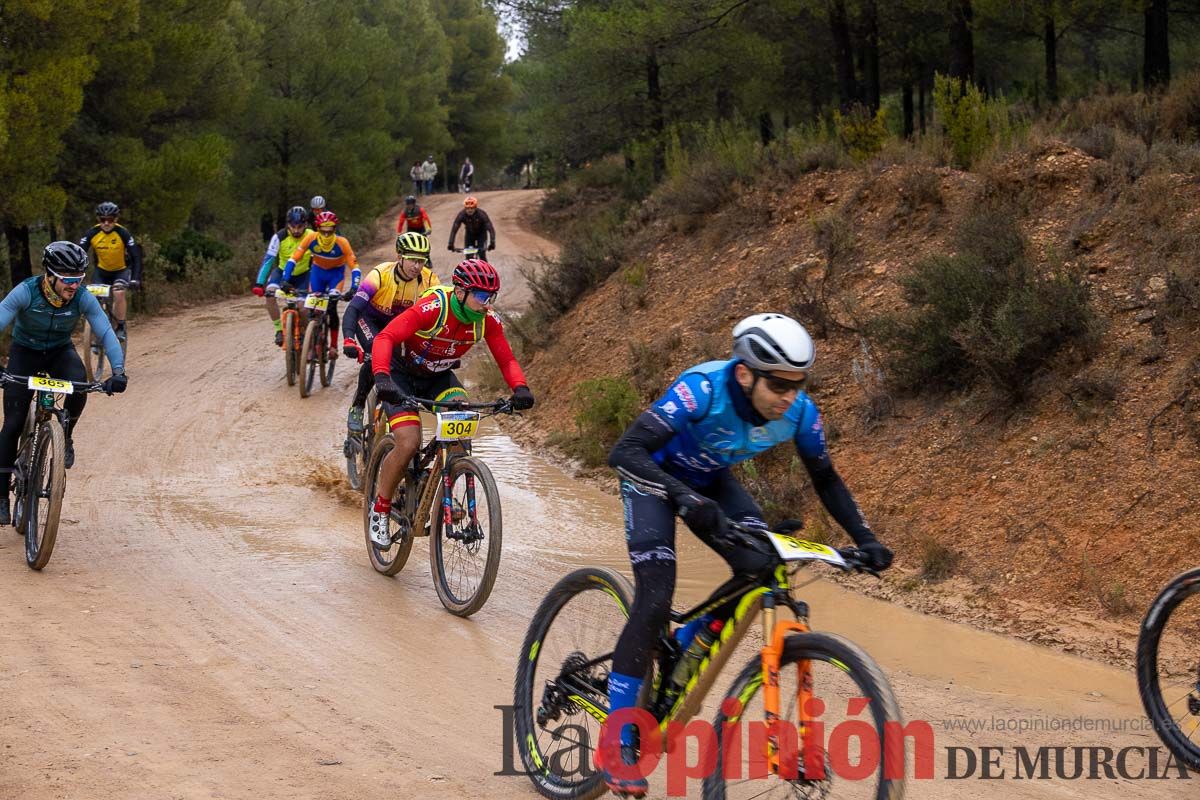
(389, 295)
(434, 338)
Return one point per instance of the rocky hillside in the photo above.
(1080, 499)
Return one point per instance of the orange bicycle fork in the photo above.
(775, 634)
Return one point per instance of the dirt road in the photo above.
(209, 626)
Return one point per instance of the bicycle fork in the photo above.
(775, 635)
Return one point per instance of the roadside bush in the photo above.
(591, 251)
(938, 561)
(195, 244)
(861, 133)
(649, 363)
(983, 315)
(604, 409)
(200, 279)
(973, 124)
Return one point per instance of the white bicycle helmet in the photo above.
(773, 341)
(317, 202)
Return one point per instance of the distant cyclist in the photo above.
(415, 356)
(316, 206)
(270, 273)
(385, 292)
(118, 259)
(413, 218)
(476, 227)
(331, 254)
(43, 311)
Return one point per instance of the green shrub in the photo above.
(604, 409)
(195, 244)
(861, 133)
(983, 315)
(200, 279)
(938, 561)
(973, 124)
(1181, 108)
(591, 251)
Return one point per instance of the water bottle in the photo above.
(690, 660)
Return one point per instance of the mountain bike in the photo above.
(39, 475)
(558, 710)
(317, 354)
(465, 533)
(359, 444)
(1168, 667)
(93, 345)
(293, 330)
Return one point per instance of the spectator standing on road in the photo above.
(464, 175)
(417, 176)
(428, 173)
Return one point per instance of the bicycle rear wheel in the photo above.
(289, 347)
(388, 561)
(44, 493)
(557, 686)
(840, 672)
(1168, 667)
(308, 358)
(465, 557)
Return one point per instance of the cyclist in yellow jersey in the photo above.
(386, 291)
(117, 258)
(270, 273)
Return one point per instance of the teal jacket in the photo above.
(38, 325)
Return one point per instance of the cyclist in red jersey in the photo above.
(415, 356)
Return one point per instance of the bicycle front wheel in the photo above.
(93, 353)
(389, 560)
(324, 349)
(289, 347)
(1168, 667)
(562, 677)
(44, 493)
(309, 357)
(465, 555)
(839, 674)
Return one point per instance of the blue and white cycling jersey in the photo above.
(711, 435)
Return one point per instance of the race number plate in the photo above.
(316, 302)
(455, 425)
(792, 549)
(100, 289)
(50, 385)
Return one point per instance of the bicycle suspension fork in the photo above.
(775, 636)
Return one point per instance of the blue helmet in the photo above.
(296, 215)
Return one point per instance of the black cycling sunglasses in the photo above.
(777, 385)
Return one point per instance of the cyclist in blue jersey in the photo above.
(675, 459)
(43, 311)
(270, 272)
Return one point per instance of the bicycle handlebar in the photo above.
(856, 560)
(79, 386)
(501, 405)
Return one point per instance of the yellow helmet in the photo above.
(412, 245)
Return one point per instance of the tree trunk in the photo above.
(724, 103)
(766, 127)
(962, 43)
(657, 123)
(18, 252)
(871, 67)
(1050, 40)
(906, 97)
(843, 54)
(921, 97)
(1156, 64)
